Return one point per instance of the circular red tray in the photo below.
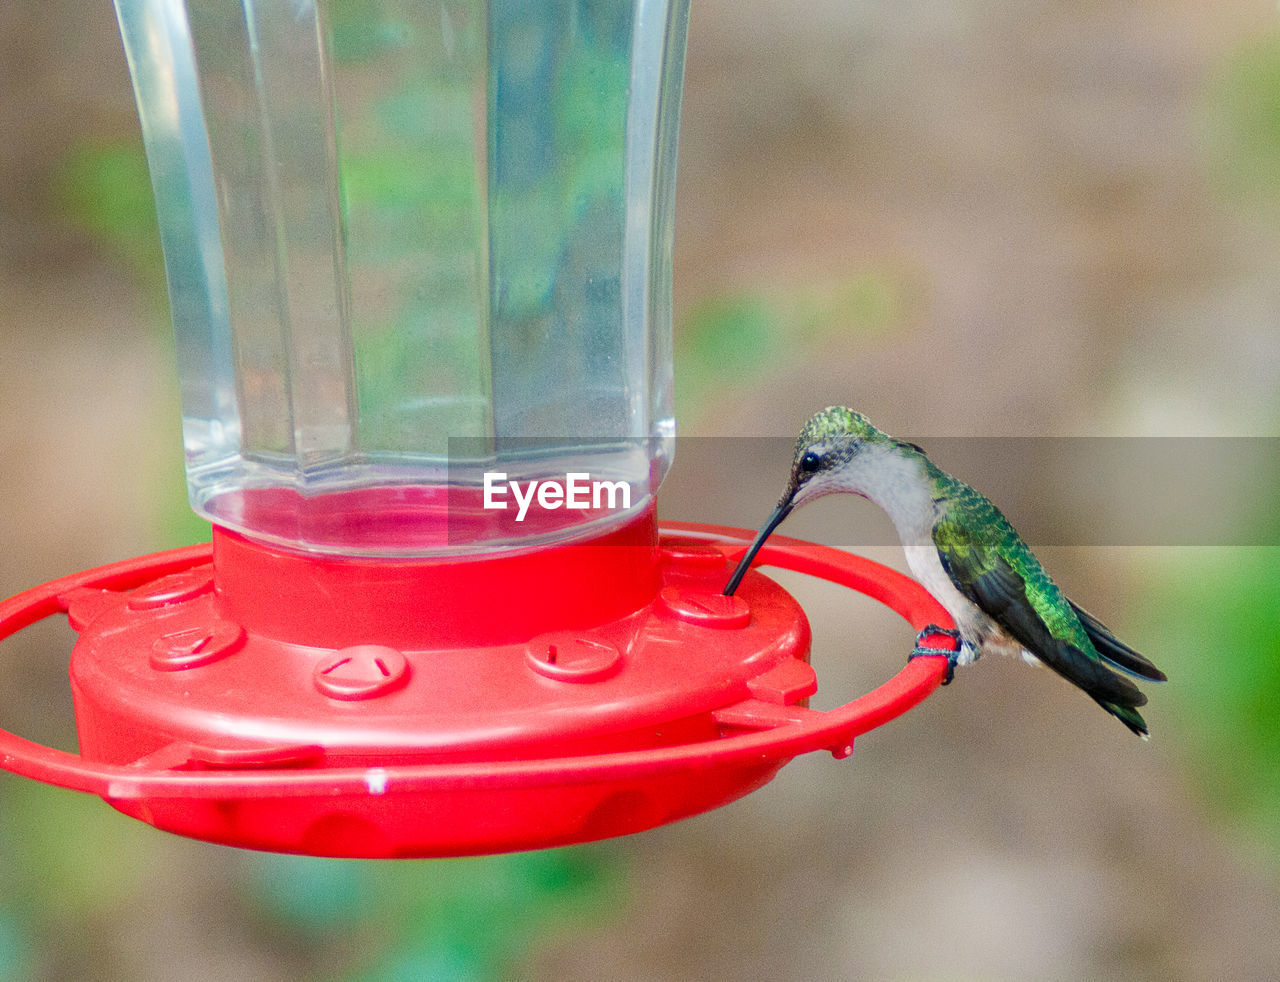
(500, 801)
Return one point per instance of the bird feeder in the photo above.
(419, 264)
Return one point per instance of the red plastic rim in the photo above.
(758, 737)
(576, 649)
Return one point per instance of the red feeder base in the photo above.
(367, 708)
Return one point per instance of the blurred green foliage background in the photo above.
(967, 218)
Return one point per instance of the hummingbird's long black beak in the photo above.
(779, 513)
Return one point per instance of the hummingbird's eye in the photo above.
(810, 462)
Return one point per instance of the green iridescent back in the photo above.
(967, 509)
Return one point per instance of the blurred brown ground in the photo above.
(1039, 171)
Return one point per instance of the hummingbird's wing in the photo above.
(1114, 650)
(983, 575)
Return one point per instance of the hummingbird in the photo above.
(962, 549)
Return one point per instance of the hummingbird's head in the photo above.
(837, 450)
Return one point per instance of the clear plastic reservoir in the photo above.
(413, 245)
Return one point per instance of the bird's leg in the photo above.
(952, 655)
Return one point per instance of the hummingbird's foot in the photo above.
(952, 655)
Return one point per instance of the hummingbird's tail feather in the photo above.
(1091, 675)
(1114, 693)
(1127, 715)
(1114, 650)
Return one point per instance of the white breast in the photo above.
(974, 626)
